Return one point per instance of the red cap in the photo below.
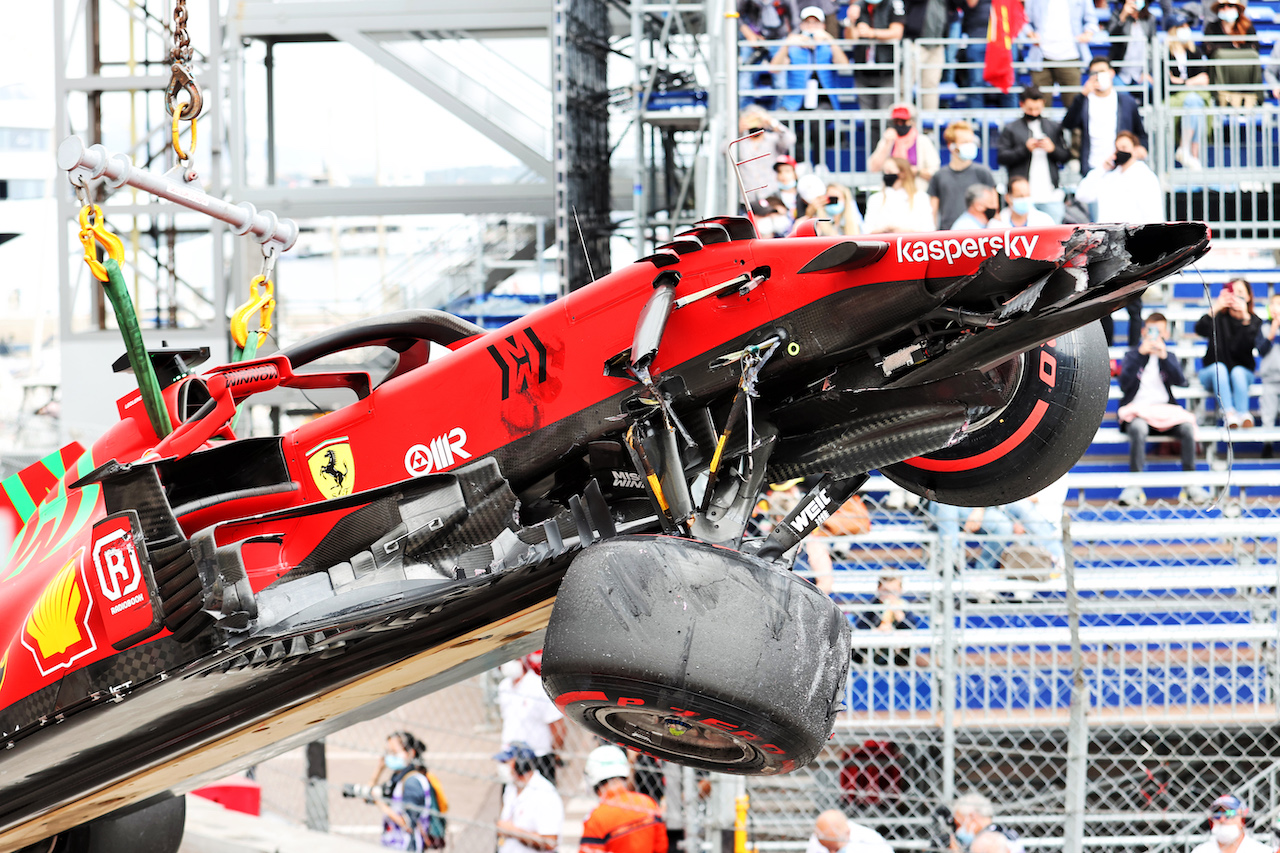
(900, 112)
(784, 160)
(533, 661)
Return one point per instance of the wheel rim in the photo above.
(678, 736)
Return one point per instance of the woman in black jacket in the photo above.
(1235, 333)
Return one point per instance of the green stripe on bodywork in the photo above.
(49, 515)
(19, 497)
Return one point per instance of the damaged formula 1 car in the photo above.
(176, 609)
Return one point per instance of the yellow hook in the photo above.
(94, 233)
(264, 301)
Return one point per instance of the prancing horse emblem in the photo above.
(333, 467)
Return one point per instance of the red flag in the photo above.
(1006, 22)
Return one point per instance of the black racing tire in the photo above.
(1046, 427)
(152, 827)
(696, 654)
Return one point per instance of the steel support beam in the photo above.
(480, 18)
(306, 202)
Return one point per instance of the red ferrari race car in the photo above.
(176, 608)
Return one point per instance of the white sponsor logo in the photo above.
(128, 602)
(443, 451)
(117, 565)
(814, 513)
(952, 249)
(627, 479)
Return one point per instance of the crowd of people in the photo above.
(792, 56)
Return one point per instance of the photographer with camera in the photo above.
(532, 811)
(411, 800)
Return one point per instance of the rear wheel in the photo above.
(696, 654)
(1044, 430)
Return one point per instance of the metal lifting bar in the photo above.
(96, 162)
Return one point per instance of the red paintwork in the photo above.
(461, 391)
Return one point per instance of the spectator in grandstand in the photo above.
(1132, 31)
(624, 821)
(758, 155)
(528, 716)
(532, 812)
(981, 206)
(835, 833)
(785, 174)
(1101, 114)
(1269, 372)
(882, 22)
(1123, 187)
(889, 614)
(992, 522)
(1241, 63)
(947, 186)
(1226, 829)
(776, 221)
(1033, 147)
(810, 45)
(972, 815)
(903, 141)
(760, 21)
(927, 19)
(1234, 334)
(1188, 72)
(1148, 375)
(1060, 32)
(1040, 517)
(975, 16)
(833, 207)
(1019, 212)
(902, 206)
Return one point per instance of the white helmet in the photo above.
(606, 762)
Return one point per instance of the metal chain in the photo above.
(181, 50)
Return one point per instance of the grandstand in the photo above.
(1163, 626)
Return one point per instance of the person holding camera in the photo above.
(411, 800)
(532, 811)
(1147, 377)
(1234, 333)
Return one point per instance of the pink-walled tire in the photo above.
(1044, 430)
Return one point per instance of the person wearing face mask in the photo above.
(1190, 76)
(413, 805)
(1130, 57)
(811, 46)
(1101, 114)
(903, 141)
(1226, 829)
(1241, 62)
(1123, 187)
(972, 815)
(981, 206)
(528, 715)
(785, 171)
(1033, 147)
(1020, 212)
(1060, 32)
(902, 206)
(834, 209)
(947, 186)
(532, 812)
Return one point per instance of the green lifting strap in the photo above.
(145, 372)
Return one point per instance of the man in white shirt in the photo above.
(981, 205)
(1101, 115)
(1125, 189)
(528, 714)
(835, 833)
(1226, 828)
(532, 811)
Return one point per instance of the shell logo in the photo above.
(57, 631)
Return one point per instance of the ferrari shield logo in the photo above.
(333, 468)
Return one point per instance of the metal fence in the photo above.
(1160, 623)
